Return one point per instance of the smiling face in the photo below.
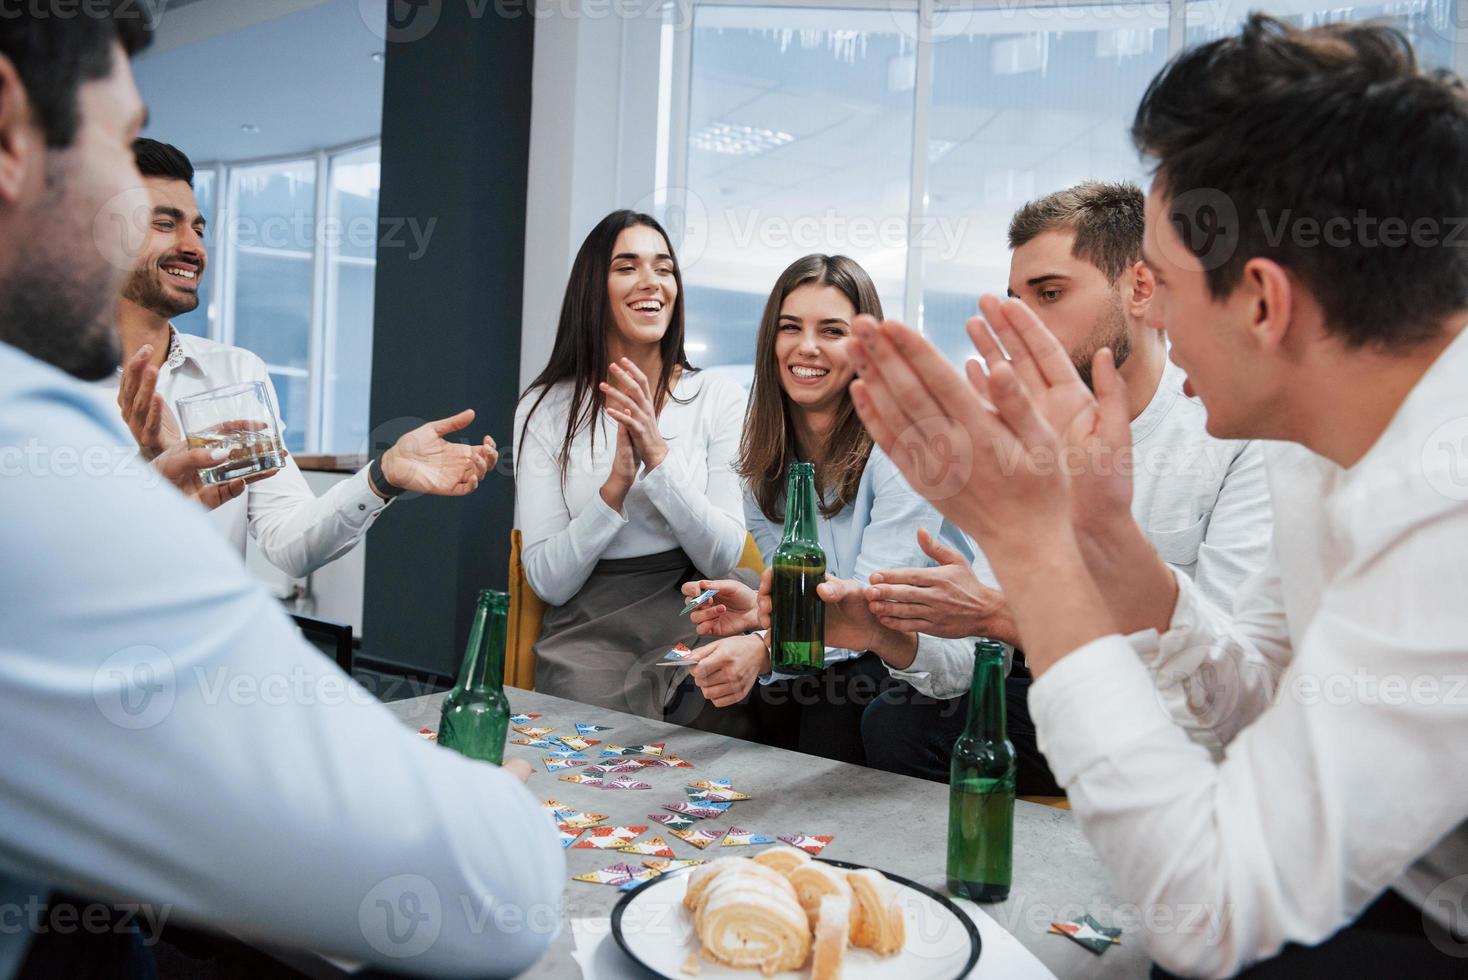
(1078, 304)
(810, 346)
(641, 289)
(1210, 338)
(171, 266)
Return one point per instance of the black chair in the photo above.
(332, 639)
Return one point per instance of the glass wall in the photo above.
(206, 184)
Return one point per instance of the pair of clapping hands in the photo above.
(422, 461)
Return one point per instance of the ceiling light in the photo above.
(378, 57)
(250, 128)
(736, 140)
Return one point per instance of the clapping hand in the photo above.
(629, 401)
(143, 409)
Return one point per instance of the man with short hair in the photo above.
(293, 528)
(1077, 260)
(169, 738)
(1333, 834)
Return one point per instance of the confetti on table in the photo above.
(723, 784)
(522, 719)
(808, 843)
(670, 762)
(569, 816)
(1089, 933)
(625, 782)
(582, 778)
(643, 874)
(582, 728)
(606, 767)
(538, 743)
(703, 811)
(743, 838)
(616, 874)
(604, 838)
(569, 834)
(556, 765)
(533, 732)
(577, 742)
(428, 734)
(716, 795)
(663, 867)
(653, 847)
(656, 748)
(566, 754)
(698, 838)
(677, 821)
(679, 656)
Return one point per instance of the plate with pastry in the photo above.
(787, 915)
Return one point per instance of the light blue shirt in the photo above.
(876, 530)
(168, 737)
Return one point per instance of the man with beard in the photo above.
(1202, 501)
(294, 529)
(169, 739)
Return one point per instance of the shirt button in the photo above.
(361, 506)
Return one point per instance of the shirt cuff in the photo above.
(603, 510)
(361, 503)
(1092, 704)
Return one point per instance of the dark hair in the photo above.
(767, 447)
(580, 351)
(1107, 220)
(1335, 125)
(157, 159)
(55, 55)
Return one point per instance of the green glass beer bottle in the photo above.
(797, 616)
(476, 714)
(981, 788)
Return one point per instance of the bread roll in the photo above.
(748, 916)
(877, 921)
(782, 859)
(833, 923)
(814, 881)
(699, 878)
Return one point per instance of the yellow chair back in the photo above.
(526, 612)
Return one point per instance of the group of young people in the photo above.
(1210, 497)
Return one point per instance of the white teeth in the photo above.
(182, 273)
(649, 306)
(801, 371)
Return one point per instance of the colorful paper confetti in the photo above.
(617, 874)
(569, 834)
(1089, 933)
(808, 843)
(538, 743)
(669, 762)
(522, 719)
(663, 867)
(652, 847)
(677, 821)
(605, 838)
(577, 743)
(606, 767)
(703, 811)
(428, 734)
(716, 795)
(582, 728)
(697, 601)
(582, 778)
(743, 838)
(676, 657)
(698, 838)
(533, 732)
(625, 782)
(556, 765)
(569, 816)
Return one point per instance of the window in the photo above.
(293, 258)
(905, 133)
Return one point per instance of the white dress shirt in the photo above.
(1339, 687)
(691, 500)
(169, 738)
(876, 529)
(293, 528)
(1202, 502)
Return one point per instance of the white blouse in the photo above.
(693, 500)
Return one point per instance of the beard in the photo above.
(1110, 331)
(145, 288)
(58, 302)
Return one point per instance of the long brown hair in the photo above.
(768, 446)
(580, 351)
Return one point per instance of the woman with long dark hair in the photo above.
(624, 474)
(801, 410)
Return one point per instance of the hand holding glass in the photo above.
(240, 420)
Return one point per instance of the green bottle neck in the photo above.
(800, 504)
(986, 694)
(484, 656)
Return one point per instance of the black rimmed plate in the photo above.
(652, 927)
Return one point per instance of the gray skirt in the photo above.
(600, 647)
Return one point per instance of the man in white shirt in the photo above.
(1076, 259)
(169, 738)
(1301, 225)
(296, 530)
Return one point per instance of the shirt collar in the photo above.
(176, 355)
(1169, 388)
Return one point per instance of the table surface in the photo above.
(895, 823)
